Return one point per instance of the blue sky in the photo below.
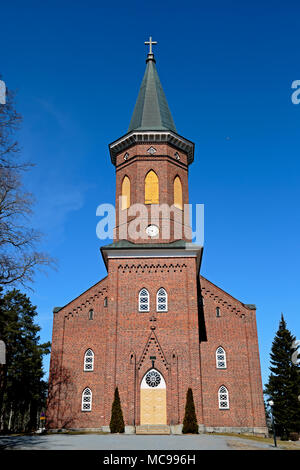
(227, 69)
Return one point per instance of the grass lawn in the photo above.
(288, 445)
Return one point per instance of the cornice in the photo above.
(190, 250)
(225, 300)
(84, 300)
(151, 137)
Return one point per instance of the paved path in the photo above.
(127, 442)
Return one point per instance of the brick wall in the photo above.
(123, 339)
(165, 165)
(235, 331)
(184, 339)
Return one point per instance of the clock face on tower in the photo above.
(152, 230)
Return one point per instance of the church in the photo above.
(154, 327)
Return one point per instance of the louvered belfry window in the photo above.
(125, 193)
(177, 193)
(151, 188)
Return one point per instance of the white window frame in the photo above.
(166, 300)
(223, 398)
(87, 392)
(144, 294)
(87, 363)
(219, 361)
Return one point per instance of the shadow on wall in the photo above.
(201, 320)
(60, 413)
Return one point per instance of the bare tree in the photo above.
(18, 256)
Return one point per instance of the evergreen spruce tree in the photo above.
(284, 383)
(190, 420)
(22, 388)
(116, 422)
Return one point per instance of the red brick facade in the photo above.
(166, 167)
(184, 339)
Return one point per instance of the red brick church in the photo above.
(153, 327)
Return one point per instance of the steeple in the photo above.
(151, 110)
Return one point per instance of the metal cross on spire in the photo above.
(150, 43)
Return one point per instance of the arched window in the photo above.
(223, 397)
(161, 300)
(218, 313)
(153, 379)
(221, 358)
(86, 401)
(151, 188)
(125, 193)
(91, 314)
(89, 360)
(144, 304)
(178, 193)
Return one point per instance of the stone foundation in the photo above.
(259, 431)
(177, 430)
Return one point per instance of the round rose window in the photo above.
(153, 378)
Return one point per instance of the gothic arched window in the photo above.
(151, 188)
(89, 360)
(86, 401)
(161, 300)
(223, 397)
(221, 358)
(125, 193)
(177, 193)
(144, 304)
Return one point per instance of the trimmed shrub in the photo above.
(116, 422)
(190, 425)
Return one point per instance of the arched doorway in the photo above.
(153, 398)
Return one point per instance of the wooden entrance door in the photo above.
(153, 399)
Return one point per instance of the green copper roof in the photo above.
(121, 244)
(151, 110)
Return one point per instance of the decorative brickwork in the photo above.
(130, 331)
(123, 340)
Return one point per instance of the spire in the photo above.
(151, 110)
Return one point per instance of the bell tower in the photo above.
(153, 327)
(152, 162)
(152, 265)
